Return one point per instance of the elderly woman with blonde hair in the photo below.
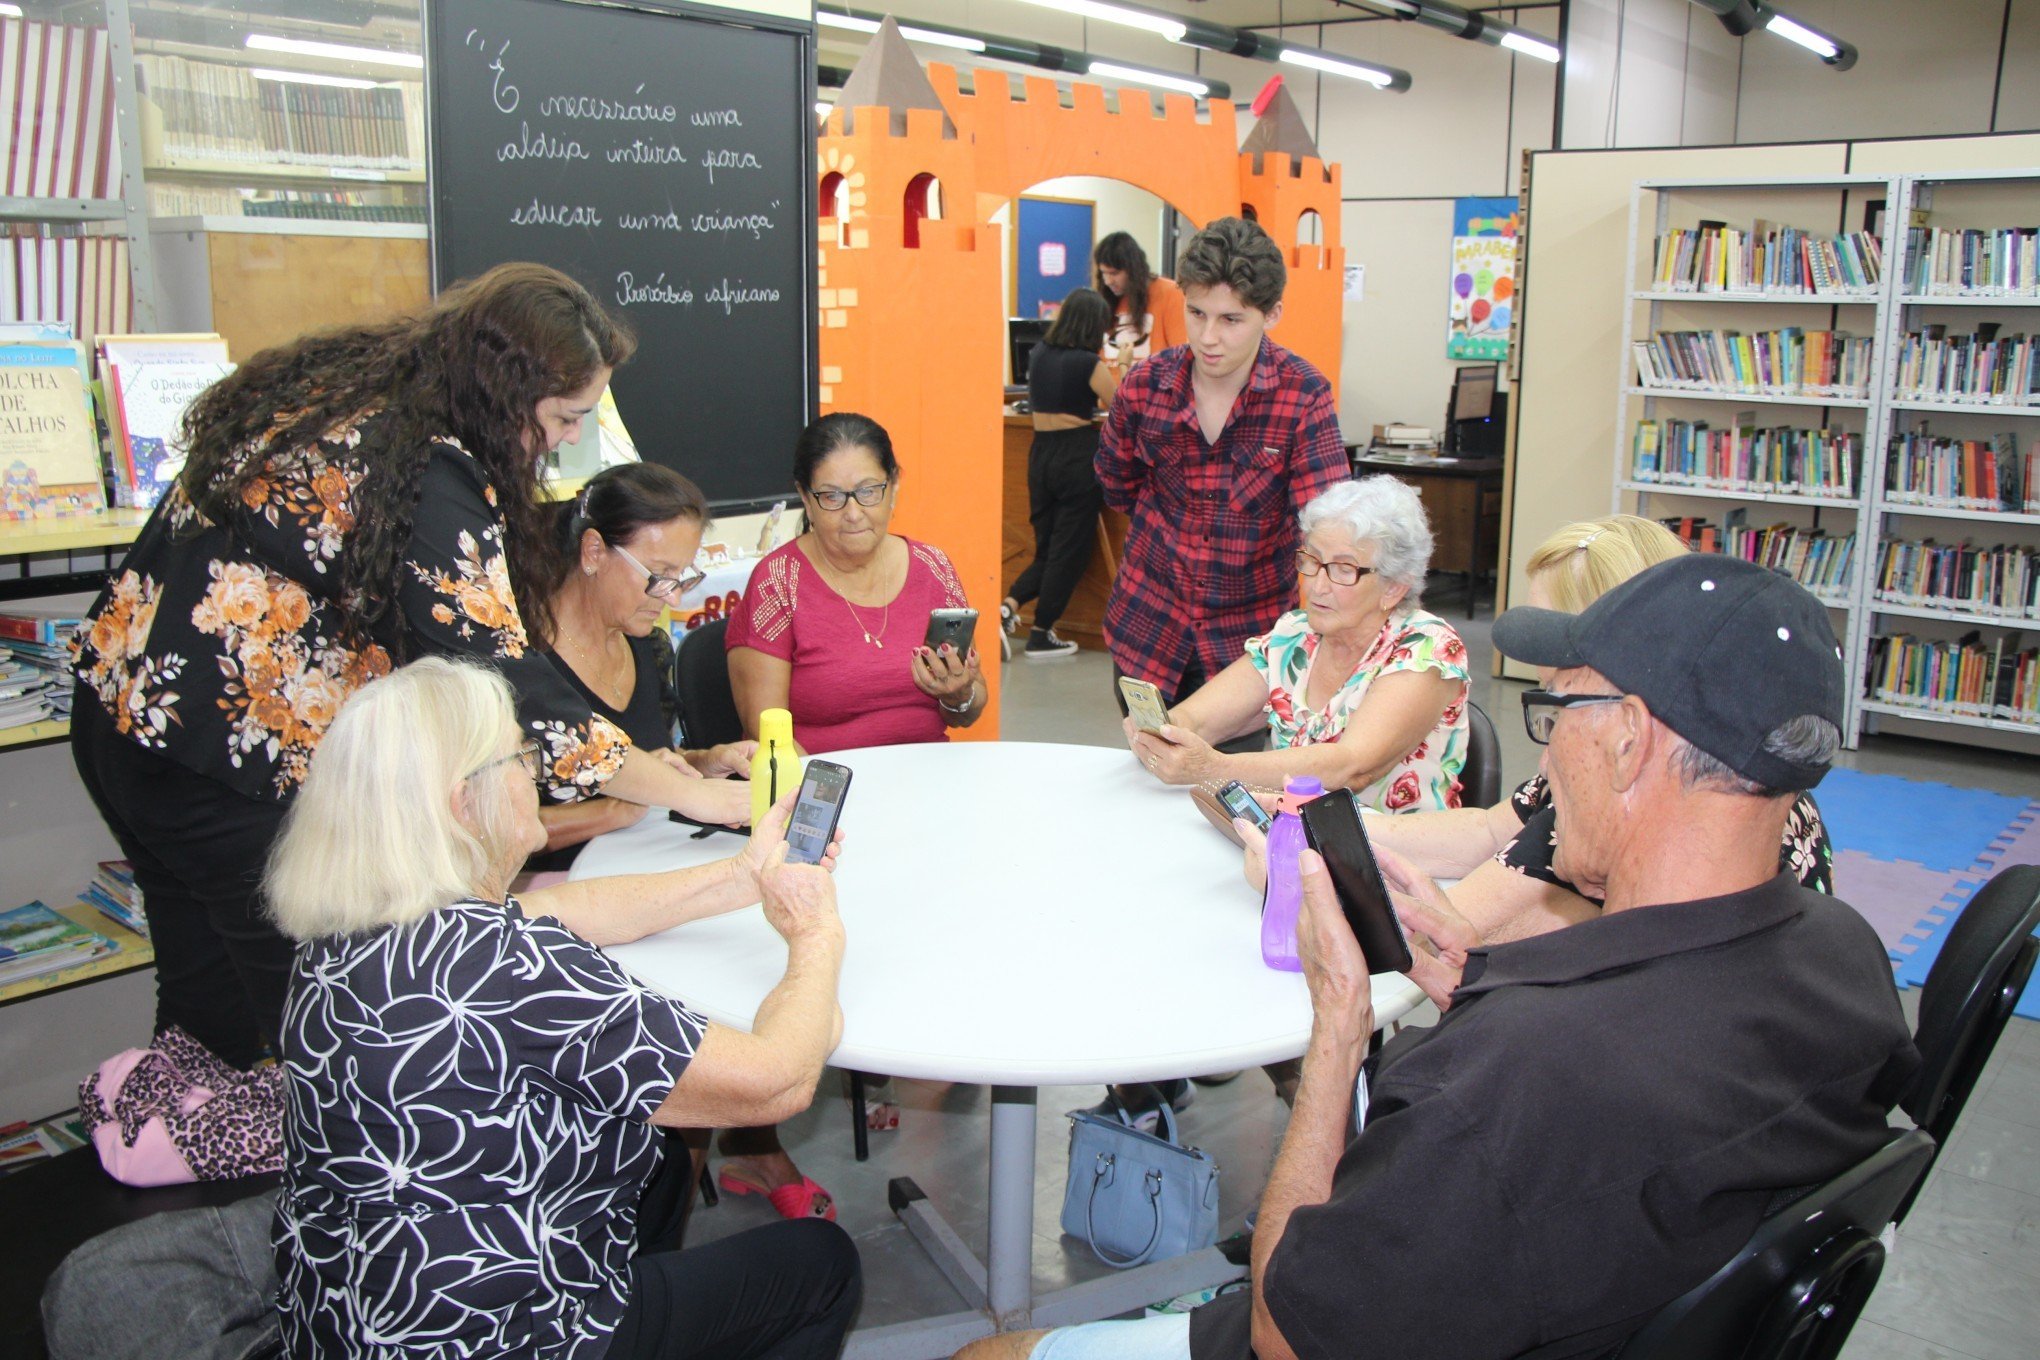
(474, 1084)
(1357, 686)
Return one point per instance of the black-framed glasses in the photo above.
(665, 587)
(1342, 573)
(527, 755)
(1541, 708)
(868, 495)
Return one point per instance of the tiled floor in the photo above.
(1964, 1283)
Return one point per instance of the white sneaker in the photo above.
(1044, 645)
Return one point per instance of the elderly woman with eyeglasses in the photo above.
(834, 624)
(1357, 686)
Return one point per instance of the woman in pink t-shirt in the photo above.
(833, 624)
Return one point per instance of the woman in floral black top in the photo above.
(351, 501)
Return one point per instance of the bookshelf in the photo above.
(1939, 583)
(135, 952)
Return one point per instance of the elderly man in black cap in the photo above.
(1606, 1111)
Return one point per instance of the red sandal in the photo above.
(795, 1200)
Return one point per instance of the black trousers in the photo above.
(1064, 501)
(198, 848)
(787, 1291)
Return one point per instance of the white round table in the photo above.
(1018, 914)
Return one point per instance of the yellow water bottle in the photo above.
(775, 769)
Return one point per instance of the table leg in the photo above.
(1010, 1242)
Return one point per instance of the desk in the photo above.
(1139, 960)
(1462, 498)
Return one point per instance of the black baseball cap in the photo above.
(1723, 652)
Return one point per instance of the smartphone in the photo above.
(953, 626)
(1332, 827)
(1144, 702)
(815, 811)
(1240, 803)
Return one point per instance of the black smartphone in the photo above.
(822, 790)
(954, 626)
(1331, 826)
(1240, 803)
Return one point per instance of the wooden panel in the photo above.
(269, 289)
(1084, 621)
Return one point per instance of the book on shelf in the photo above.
(1768, 258)
(49, 445)
(1816, 559)
(1984, 475)
(1743, 456)
(1966, 262)
(44, 624)
(35, 940)
(114, 893)
(1970, 677)
(1786, 362)
(1981, 368)
(212, 112)
(60, 110)
(2002, 580)
(146, 403)
(75, 280)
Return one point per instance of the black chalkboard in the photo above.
(664, 156)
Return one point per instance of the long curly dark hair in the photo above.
(473, 365)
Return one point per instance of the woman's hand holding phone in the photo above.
(768, 837)
(945, 676)
(1174, 755)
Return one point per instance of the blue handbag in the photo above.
(1136, 1197)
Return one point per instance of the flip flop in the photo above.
(795, 1201)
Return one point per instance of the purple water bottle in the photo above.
(1283, 898)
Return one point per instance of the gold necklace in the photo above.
(597, 661)
(884, 618)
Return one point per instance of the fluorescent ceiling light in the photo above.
(307, 78)
(907, 31)
(11, 11)
(336, 51)
(1821, 46)
(1530, 46)
(1352, 70)
(1172, 29)
(1114, 71)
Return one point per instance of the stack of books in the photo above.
(35, 940)
(213, 112)
(1983, 367)
(1779, 459)
(35, 650)
(1785, 261)
(22, 1142)
(1963, 474)
(2002, 580)
(1781, 363)
(1968, 677)
(1814, 558)
(114, 893)
(1964, 263)
(50, 468)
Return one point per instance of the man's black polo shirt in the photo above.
(1599, 1121)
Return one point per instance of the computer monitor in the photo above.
(1473, 393)
(1023, 333)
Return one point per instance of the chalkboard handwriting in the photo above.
(717, 118)
(665, 221)
(733, 296)
(642, 152)
(729, 160)
(599, 108)
(556, 215)
(539, 146)
(629, 291)
(501, 92)
(724, 223)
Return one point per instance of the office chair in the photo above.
(1480, 779)
(1795, 1291)
(1968, 998)
(701, 680)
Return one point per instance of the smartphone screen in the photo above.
(1240, 803)
(1331, 826)
(815, 811)
(1144, 702)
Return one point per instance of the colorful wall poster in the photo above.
(1483, 278)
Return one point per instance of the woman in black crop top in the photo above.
(1065, 382)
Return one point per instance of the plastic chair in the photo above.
(1968, 998)
(701, 680)
(1795, 1291)
(1480, 781)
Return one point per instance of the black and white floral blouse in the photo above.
(219, 645)
(467, 1137)
(1804, 852)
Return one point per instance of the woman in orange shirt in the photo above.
(1147, 311)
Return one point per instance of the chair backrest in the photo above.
(701, 679)
(1798, 1287)
(1970, 992)
(1480, 782)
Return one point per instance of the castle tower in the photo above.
(1282, 180)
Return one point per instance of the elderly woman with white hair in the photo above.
(473, 1084)
(1357, 686)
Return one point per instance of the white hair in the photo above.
(373, 838)
(1387, 513)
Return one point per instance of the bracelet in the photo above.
(968, 705)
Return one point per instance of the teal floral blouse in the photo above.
(1428, 777)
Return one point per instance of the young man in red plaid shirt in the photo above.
(1212, 449)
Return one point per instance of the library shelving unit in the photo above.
(1819, 207)
(1923, 297)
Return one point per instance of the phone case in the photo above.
(957, 627)
(1150, 714)
(796, 852)
(1332, 827)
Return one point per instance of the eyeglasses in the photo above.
(868, 495)
(1342, 573)
(665, 587)
(1541, 708)
(526, 755)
